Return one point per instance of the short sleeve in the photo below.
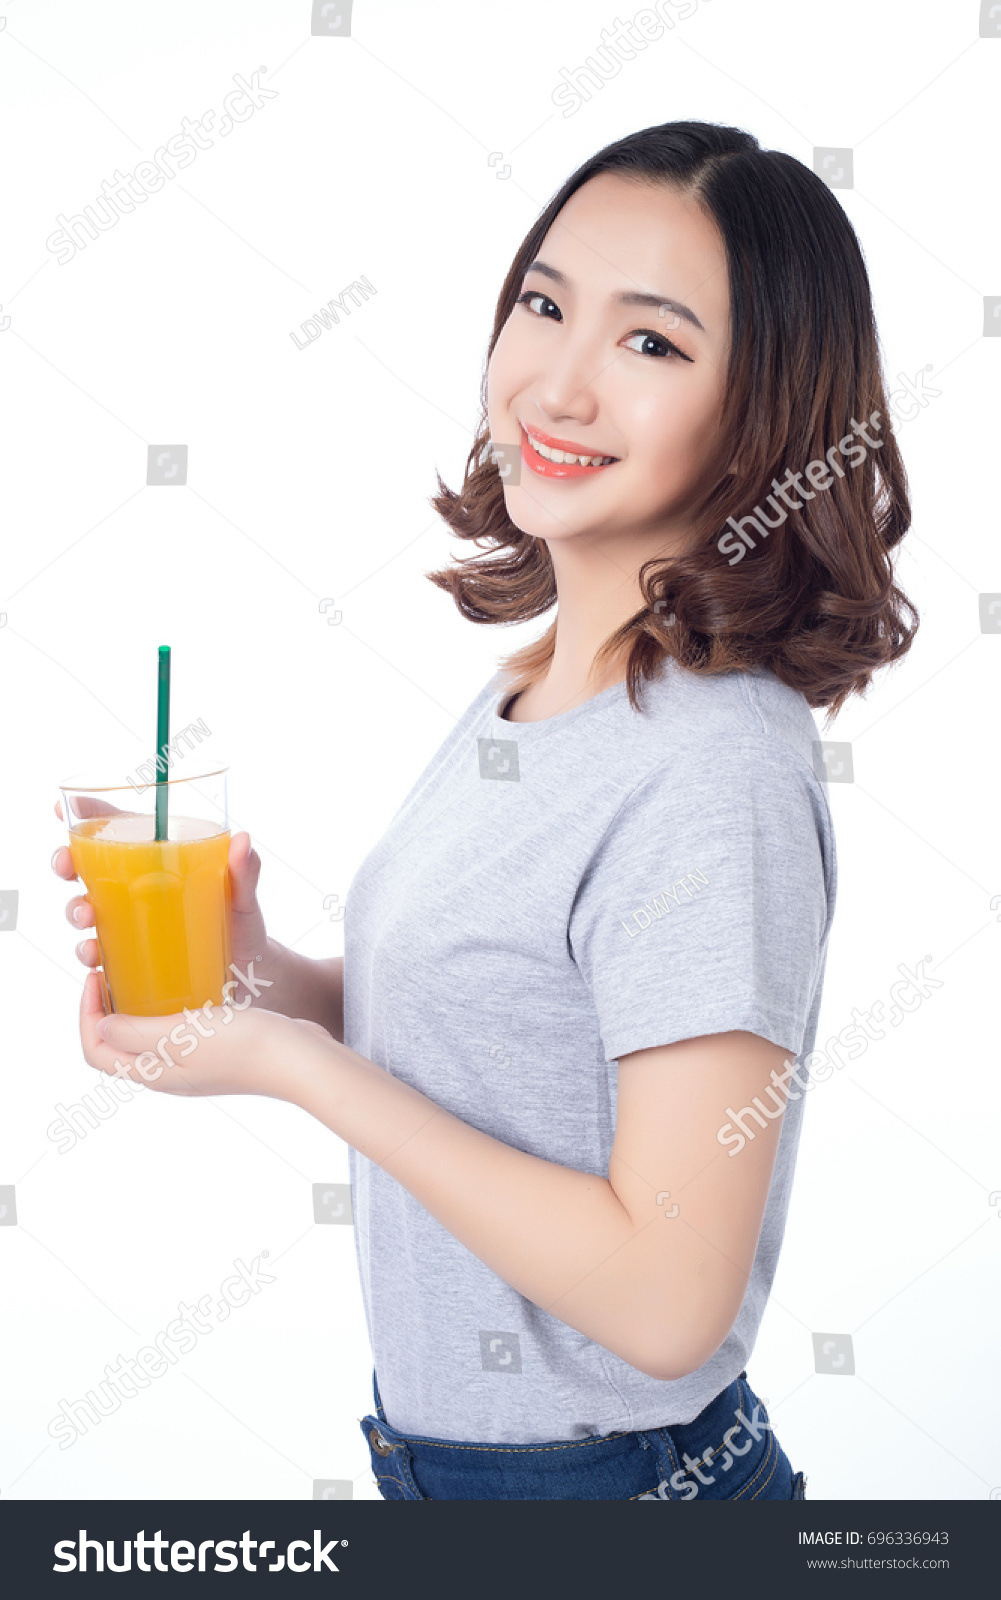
(705, 905)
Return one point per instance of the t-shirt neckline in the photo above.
(562, 719)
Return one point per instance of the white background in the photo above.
(309, 475)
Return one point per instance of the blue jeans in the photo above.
(729, 1452)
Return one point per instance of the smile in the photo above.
(559, 458)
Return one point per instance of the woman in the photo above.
(570, 1036)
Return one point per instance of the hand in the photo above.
(250, 938)
(234, 1052)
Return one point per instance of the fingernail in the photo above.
(78, 915)
(52, 863)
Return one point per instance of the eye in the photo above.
(548, 306)
(654, 344)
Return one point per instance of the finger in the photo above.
(115, 1063)
(131, 1036)
(92, 1011)
(88, 951)
(62, 863)
(80, 912)
(91, 1001)
(245, 870)
(58, 809)
(85, 805)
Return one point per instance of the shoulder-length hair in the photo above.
(813, 598)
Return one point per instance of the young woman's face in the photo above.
(617, 348)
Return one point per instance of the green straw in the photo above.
(162, 739)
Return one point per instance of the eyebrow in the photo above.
(626, 298)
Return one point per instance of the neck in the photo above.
(597, 591)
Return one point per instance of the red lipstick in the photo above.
(558, 469)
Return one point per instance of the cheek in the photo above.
(497, 409)
(503, 370)
(671, 432)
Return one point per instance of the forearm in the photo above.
(558, 1236)
(303, 987)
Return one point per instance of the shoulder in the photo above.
(740, 721)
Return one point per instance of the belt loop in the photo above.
(668, 1463)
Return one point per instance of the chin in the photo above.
(530, 519)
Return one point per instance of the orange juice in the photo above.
(162, 909)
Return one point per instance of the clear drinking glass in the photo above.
(162, 908)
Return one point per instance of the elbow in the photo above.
(668, 1371)
(673, 1334)
(669, 1359)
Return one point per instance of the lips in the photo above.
(545, 468)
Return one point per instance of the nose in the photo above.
(567, 388)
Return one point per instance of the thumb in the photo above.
(244, 870)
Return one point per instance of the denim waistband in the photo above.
(727, 1452)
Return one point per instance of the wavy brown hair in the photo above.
(816, 600)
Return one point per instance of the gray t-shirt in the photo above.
(550, 896)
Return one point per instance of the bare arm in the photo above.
(300, 986)
(303, 987)
(612, 1257)
(603, 1255)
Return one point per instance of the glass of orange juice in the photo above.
(162, 908)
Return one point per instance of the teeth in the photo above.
(563, 457)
